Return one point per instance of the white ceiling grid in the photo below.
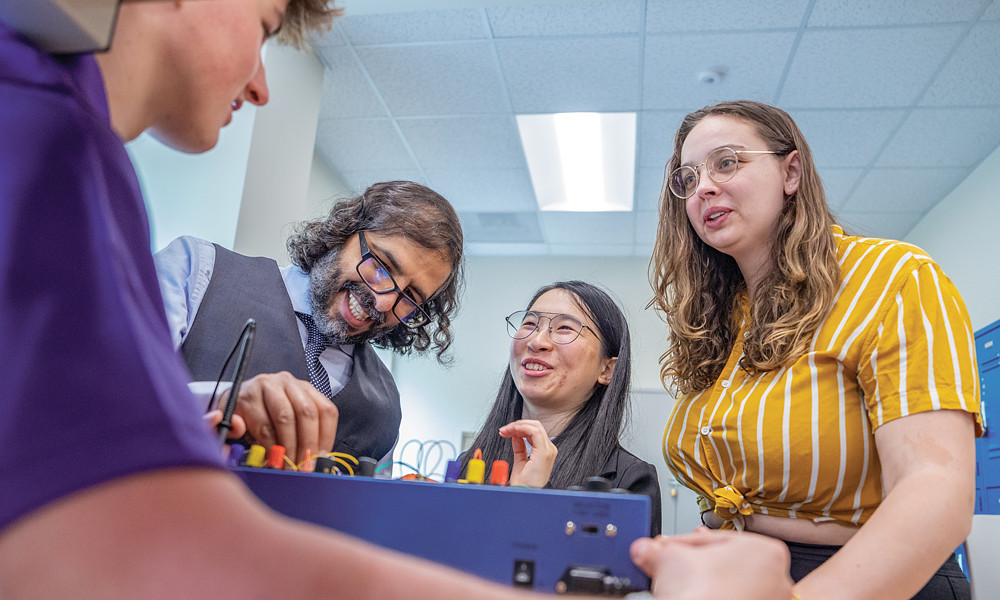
(899, 100)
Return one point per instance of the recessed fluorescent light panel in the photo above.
(580, 161)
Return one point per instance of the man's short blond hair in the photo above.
(303, 17)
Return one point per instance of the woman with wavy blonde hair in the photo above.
(697, 286)
(828, 394)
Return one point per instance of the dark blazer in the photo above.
(627, 471)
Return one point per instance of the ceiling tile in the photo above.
(358, 181)
(943, 137)
(971, 76)
(437, 79)
(575, 18)
(501, 227)
(643, 250)
(346, 90)
(903, 190)
(331, 37)
(673, 65)
(838, 183)
(835, 68)
(992, 12)
(422, 96)
(485, 190)
(362, 145)
(645, 227)
(568, 75)
(656, 137)
(846, 138)
(850, 13)
(887, 225)
(597, 249)
(501, 249)
(668, 16)
(588, 227)
(647, 189)
(419, 26)
(473, 142)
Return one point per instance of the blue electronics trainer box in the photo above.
(548, 540)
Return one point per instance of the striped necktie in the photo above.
(316, 343)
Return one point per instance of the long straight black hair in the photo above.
(591, 436)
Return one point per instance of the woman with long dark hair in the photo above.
(565, 394)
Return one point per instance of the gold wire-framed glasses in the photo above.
(720, 164)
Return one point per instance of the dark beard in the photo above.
(326, 280)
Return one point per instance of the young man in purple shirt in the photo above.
(111, 484)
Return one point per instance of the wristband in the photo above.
(702, 515)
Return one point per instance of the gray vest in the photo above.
(243, 287)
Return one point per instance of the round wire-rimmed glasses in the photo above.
(720, 164)
(563, 328)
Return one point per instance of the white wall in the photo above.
(195, 195)
(281, 155)
(650, 411)
(325, 188)
(960, 233)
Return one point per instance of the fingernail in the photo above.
(640, 546)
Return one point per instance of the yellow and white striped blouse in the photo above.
(798, 442)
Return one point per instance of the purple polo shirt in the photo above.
(90, 387)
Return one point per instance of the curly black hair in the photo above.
(399, 208)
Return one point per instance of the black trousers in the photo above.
(949, 583)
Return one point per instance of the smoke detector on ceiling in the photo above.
(710, 77)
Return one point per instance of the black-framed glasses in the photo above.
(376, 276)
(563, 328)
(720, 164)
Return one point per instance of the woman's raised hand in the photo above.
(534, 470)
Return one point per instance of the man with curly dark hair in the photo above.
(383, 268)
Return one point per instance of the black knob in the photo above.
(324, 465)
(366, 466)
(597, 484)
